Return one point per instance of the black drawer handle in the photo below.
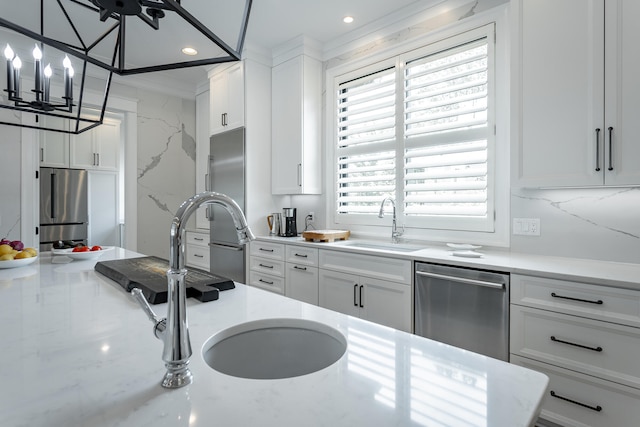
(355, 289)
(361, 286)
(199, 239)
(265, 250)
(301, 255)
(198, 256)
(599, 302)
(265, 266)
(300, 268)
(598, 349)
(264, 281)
(584, 405)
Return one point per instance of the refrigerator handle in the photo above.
(53, 195)
(208, 185)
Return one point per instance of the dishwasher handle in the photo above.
(462, 280)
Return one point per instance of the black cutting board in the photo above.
(150, 275)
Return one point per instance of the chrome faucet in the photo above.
(395, 234)
(173, 330)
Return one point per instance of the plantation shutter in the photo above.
(366, 142)
(446, 133)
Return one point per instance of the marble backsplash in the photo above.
(166, 166)
(592, 223)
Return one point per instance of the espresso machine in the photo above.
(290, 229)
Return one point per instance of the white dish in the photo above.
(81, 256)
(17, 262)
(467, 254)
(463, 246)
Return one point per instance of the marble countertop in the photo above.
(606, 273)
(78, 351)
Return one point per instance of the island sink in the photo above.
(274, 349)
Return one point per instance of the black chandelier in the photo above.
(103, 37)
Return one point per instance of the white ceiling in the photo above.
(271, 24)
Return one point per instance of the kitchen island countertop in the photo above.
(78, 351)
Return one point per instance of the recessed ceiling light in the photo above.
(347, 19)
(189, 51)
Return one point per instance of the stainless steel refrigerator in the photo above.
(226, 175)
(64, 213)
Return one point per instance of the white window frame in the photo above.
(416, 228)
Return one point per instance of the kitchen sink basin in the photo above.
(274, 348)
(397, 247)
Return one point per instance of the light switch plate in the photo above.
(526, 226)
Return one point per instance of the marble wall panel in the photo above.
(166, 166)
(597, 223)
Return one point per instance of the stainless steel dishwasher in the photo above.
(464, 307)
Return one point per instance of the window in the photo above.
(419, 128)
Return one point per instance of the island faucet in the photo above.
(395, 234)
(173, 330)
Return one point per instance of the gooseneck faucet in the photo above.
(395, 234)
(173, 331)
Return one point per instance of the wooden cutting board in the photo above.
(326, 235)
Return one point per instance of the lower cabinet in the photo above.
(197, 251)
(371, 287)
(586, 338)
(380, 301)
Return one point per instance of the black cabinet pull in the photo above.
(300, 268)
(264, 281)
(198, 256)
(599, 302)
(301, 255)
(265, 250)
(361, 286)
(355, 288)
(584, 405)
(598, 349)
(598, 150)
(265, 266)
(610, 148)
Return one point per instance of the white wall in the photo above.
(10, 167)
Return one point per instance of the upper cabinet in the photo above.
(97, 148)
(575, 79)
(295, 133)
(226, 86)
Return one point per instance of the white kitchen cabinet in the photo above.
(577, 65)
(357, 285)
(380, 301)
(301, 274)
(296, 118)
(202, 154)
(267, 266)
(97, 148)
(226, 86)
(54, 146)
(197, 250)
(586, 338)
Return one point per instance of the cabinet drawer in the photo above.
(619, 405)
(302, 255)
(267, 282)
(198, 256)
(597, 302)
(267, 250)
(199, 239)
(606, 350)
(302, 283)
(394, 269)
(267, 266)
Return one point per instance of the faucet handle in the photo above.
(160, 324)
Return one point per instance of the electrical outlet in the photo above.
(526, 226)
(310, 216)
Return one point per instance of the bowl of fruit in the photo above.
(13, 254)
(82, 252)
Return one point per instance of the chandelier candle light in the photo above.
(42, 86)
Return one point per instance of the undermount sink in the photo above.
(398, 247)
(274, 348)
